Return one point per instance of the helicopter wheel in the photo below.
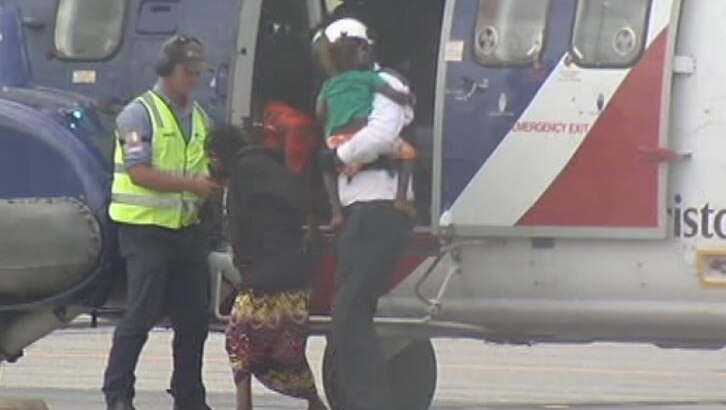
(412, 374)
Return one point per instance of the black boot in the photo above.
(121, 405)
(205, 407)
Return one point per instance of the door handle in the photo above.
(657, 154)
(220, 80)
(468, 88)
(33, 23)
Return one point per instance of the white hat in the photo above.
(347, 27)
(318, 34)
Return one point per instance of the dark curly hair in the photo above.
(344, 54)
(227, 140)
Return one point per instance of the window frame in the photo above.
(501, 64)
(119, 45)
(142, 3)
(327, 4)
(636, 59)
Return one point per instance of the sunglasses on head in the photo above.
(186, 40)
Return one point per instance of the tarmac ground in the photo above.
(65, 370)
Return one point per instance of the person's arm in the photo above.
(238, 219)
(384, 127)
(401, 95)
(147, 177)
(328, 161)
(400, 98)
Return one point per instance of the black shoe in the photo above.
(205, 407)
(121, 405)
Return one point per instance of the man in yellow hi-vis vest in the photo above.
(160, 181)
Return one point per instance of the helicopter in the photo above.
(569, 177)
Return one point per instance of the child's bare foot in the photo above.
(405, 206)
(337, 220)
(316, 404)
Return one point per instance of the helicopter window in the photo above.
(332, 4)
(89, 30)
(610, 33)
(510, 32)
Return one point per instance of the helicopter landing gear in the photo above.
(412, 374)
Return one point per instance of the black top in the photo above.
(267, 204)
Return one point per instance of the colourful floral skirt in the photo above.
(267, 336)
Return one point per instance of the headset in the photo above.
(172, 54)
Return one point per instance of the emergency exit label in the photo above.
(551, 127)
(454, 51)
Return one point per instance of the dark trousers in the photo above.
(369, 247)
(167, 275)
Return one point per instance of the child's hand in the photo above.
(412, 100)
(402, 150)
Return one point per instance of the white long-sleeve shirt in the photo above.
(375, 140)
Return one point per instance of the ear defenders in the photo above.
(172, 53)
(165, 65)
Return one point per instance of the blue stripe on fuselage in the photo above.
(473, 129)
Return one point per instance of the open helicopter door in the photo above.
(267, 30)
(552, 118)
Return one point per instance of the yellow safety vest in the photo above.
(173, 154)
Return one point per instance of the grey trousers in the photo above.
(167, 275)
(369, 246)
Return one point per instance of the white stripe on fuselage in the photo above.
(530, 158)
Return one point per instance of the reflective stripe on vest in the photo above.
(173, 154)
(150, 104)
(120, 169)
(150, 202)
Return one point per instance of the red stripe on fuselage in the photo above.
(608, 183)
(422, 247)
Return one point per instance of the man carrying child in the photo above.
(364, 113)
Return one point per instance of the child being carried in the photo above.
(344, 105)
